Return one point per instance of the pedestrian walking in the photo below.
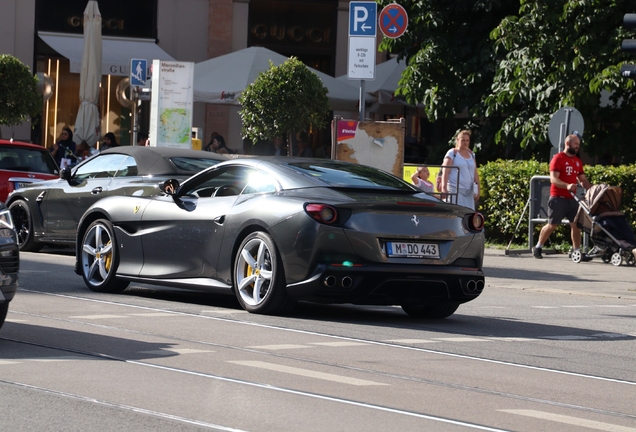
(566, 172)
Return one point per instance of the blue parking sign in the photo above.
(363, 18)
(138, 69)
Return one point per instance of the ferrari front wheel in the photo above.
(99, 258)
(259, 278)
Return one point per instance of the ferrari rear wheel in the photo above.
(259, 278)
(438, 311)
(100, 259)
(23, 223)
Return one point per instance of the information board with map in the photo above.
(171, 105)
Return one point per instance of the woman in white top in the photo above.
(463, 159)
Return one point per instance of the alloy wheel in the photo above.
(254, 272)
(97, 255)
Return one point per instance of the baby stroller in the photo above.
(599, 215)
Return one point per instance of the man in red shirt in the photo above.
(565, 170)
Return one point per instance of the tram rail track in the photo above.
(344, 367)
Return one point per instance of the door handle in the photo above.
(97, 190)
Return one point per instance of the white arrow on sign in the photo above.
(364, 27)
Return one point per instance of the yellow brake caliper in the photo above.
(108, 259)
(249, 271)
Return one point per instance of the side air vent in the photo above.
(9, 261)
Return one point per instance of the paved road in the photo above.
(557, 273)
(518, 358)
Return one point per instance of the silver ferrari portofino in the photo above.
(274, 231)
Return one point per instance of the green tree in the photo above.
(282, 100)
(450, 56)
(511, 65)
(557, 53)
(19, 98)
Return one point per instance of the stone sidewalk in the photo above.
(557, 273)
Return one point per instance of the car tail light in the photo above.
(475, 221)
(323, 213)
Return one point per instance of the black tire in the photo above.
(23, 223)
(259, 278)
(4, 309)
(99, 258)
(438, 311)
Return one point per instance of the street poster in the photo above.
(172, 103)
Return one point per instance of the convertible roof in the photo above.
(156, 160)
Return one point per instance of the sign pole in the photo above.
(134, 92)
(138, 72)
(361, 110)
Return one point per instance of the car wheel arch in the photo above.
(15, 198)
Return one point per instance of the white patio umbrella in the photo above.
(221, 80)
(87, 121)
(383, 87)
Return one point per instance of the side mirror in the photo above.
(65, 174)
(170, 186)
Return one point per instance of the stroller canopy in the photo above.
(602, 198)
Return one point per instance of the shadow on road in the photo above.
(46, 342)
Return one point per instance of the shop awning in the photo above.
(116, 52)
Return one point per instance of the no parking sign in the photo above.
(393, 21)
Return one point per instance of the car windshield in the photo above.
(193, 164)
(27, 159)
(350, 176)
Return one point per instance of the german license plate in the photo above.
(418, 250)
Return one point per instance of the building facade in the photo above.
(44, 34)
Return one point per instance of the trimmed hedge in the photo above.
(505, 187)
